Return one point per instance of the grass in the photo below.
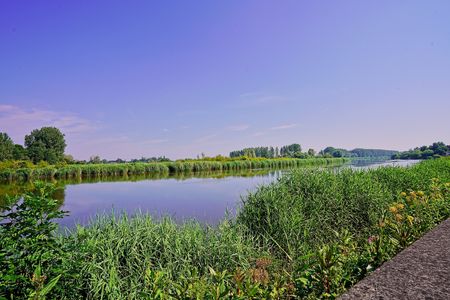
(301, 211)
(26, 173)
(310, 235)
(125, 249)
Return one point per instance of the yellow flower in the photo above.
(420, 193)
(393, 209)
(400, 206)
(398, 217)
(403, 194)
(412, 194)
(410, 219)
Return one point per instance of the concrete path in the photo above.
(421, 271)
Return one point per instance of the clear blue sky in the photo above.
(146, 78)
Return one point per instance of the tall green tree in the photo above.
(45, 144)
(6, 147)
(439, 148)
(290, 150)
(19, 153)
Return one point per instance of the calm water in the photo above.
(204, 196)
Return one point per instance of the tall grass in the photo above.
(303, 210)
(116, 252)
(125, 169)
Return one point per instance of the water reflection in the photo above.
(205, 196)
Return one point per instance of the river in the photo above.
(205, 197)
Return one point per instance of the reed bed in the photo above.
(124, 249)
(303, 210)
(126, 169)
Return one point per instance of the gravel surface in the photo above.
(421, 271)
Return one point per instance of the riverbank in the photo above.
(127, 169)
(312, 234)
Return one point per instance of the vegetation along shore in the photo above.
(22, 171)
(312, 234)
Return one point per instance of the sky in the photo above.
(125, 79)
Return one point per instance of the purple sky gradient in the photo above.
(177, 78)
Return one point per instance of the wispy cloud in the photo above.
(238, 127)
(284, 126)
(260, 133)
(18, 121)
(154, 141)
(206, 138)
(6, 107)
(254, 99)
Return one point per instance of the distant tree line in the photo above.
(291, 151)
(357, 152)
(435, 150)
(48, 145)
(267, 152)
(95, 159)
(295, 151)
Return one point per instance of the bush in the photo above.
(30, 253)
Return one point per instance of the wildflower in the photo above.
(393, 209)
(403, 194)
(372, 239)
(412, 194)
(400, 206)
(398, 217)
(410, 219)
(420, 193)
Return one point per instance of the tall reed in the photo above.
(125, 169)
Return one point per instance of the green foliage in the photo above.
(357, 152)
(293, 150)
(333, 152)
(266, 152)
(435, 150)
(118, 251)
(311, 235)
(6, 147)
(17, 171)
(30, 252)
(45, 144)
(303, 209)
(20, 153)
